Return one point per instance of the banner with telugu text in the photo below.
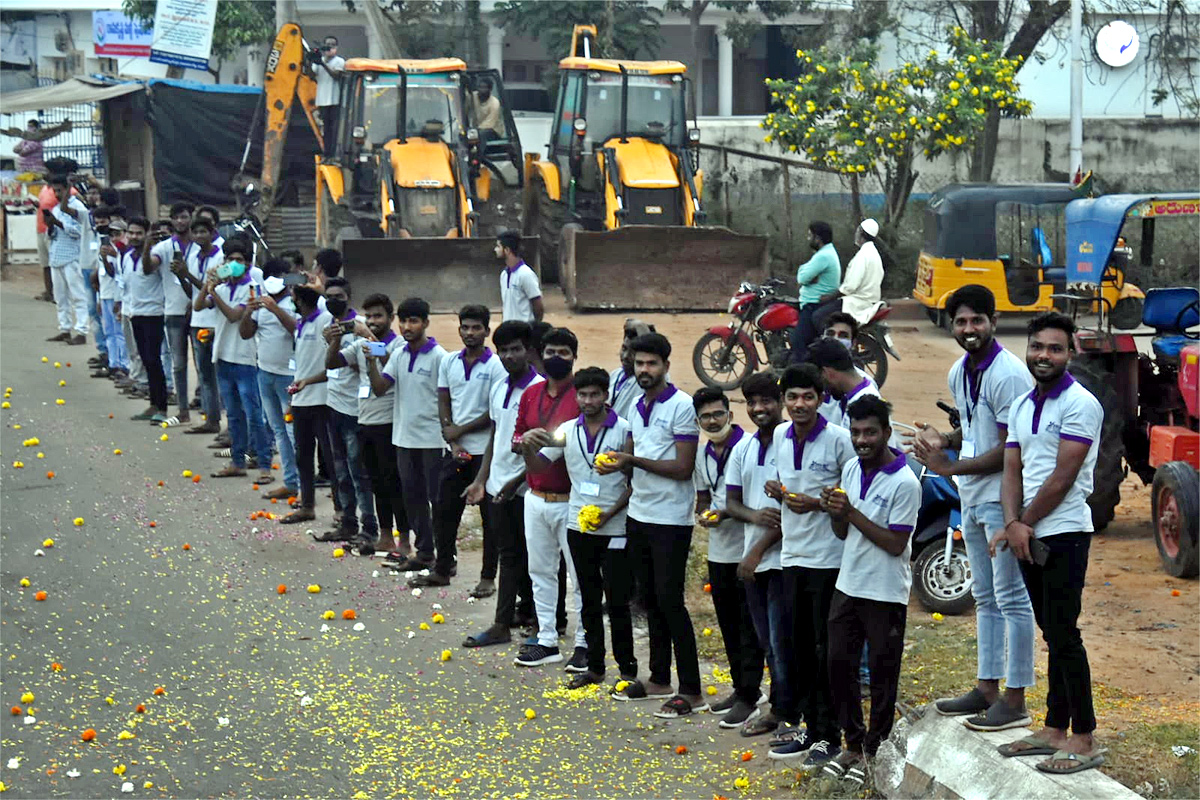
(115, 34)
(183, 31)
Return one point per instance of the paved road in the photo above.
(258, 697)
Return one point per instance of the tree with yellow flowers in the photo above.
(845, 113)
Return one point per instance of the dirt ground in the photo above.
(1142, 641)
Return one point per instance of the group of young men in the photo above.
(598, 480)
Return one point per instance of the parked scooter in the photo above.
(941, 572)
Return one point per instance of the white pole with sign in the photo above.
(183, 31)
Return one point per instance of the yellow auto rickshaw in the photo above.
(1010, 238)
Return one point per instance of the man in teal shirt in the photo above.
(819, 278)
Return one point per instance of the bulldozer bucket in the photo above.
(657, 268)
(445, 272)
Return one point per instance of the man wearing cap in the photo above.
(860, 291)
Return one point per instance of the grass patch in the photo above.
(1141, 758)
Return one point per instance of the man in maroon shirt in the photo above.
(543, 409)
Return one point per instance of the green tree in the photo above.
(845, 113)
(430, 28)
(238, 23)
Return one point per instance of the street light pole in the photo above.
(1076, 90)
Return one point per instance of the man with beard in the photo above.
(1049, 460)
(985, 383)
(818, 279)
(171, 256)
(520, 290)
(623, 389)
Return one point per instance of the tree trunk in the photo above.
(175, 72)
(983, 151)
(856, 200)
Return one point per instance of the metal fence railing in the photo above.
(84, 142)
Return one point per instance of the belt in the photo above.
(551, 497)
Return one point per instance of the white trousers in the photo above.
(71, 296)
(546, 541)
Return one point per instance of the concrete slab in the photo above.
(938, 757)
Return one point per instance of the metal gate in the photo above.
(84, 142)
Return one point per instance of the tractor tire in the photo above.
(1127, 313)
(1110, 471)
(1175, 507)
(545, 220)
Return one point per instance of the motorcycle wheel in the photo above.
(941, 587)
(870, 357)
(722, 364)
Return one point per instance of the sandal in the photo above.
(264, 477)
(1033, 746)
(785, 734)
(757, 726)
(302, 514)
(1076, 762)
(230, 472)
(483, 589)
(678, 706)
(636, 690)
(280, 493)
(487, 638)
(225, 452)
(584, 679)
(171, 422)
(204, 429)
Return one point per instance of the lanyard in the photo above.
(589, 458)
(971, 390)
(721, 460)
(544, 417)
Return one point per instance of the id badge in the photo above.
(967, 450)
(617, 543)
(364, 392)
(333, 374)
(589, 489)
(292, 364)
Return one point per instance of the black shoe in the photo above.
(578, 662)
(524, 621)
(432, 579)
(321, 483)
(535, 655)
(723, 706)
(584, 679)
(195, 403)
(973, 702)
(741, 712)
(339, 534)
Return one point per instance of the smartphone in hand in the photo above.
(377, 349)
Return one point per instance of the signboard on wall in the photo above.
(18, 41)
(115, 34)
(183, 32)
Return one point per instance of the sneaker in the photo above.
(534, 655)
(999, 717)
(821, 754)
(740, 712)
(723, 706)
(578, 662)
(973, 702)
(848, 764)
(795, 750)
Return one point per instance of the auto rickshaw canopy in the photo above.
(960, 221)
(1093, 225)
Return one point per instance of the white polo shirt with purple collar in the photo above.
(890, 497)
(415, 422)
(1037, 424)
(726, 541)
(519, 287)
(831, 407)
(656, 427)
(503, 403)
(806, 466)
(751, 465)
(372, 409)
(341, 392)
(469, 387)
(309, 357)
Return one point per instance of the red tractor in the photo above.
(1151, 400)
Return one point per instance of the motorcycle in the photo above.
(941, 571)
(726, 356)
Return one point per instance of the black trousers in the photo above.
(810, 592)
(742, 647)
(148, 335)
(853, 621)
(660, 555)
(1056, 591)
(454, 478)
(379, 458)
(329, 124)
(514, 595)
(604, 575)
(310, 425)
(812, 323)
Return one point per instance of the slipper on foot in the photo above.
(677, 707)
(486, 639)
(1030, 746)
(1076, 762)
(299, 515)
(230, 472)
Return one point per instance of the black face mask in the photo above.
(558, 367)
(335, 306)
(102, 230)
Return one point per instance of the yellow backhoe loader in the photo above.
(617, 200)
(409, 190)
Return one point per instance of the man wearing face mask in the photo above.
(818, 279)
(520, 290)
(543, 409)
(841, 328)
(202, 260)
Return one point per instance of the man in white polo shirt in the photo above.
(416, 430)
(520, 290)
(202, 259)
(985, 383)
(875, 510)
(501, 482)
(809, 454)
(843, 382)
(623, 389)
(142, 305)
(1049, 461)
(464, 385)
(662, 455)
(171, 256)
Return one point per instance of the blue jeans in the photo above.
(114, 335)
(177, 341)
(1003, 612)
(272, 391)
(206, 376)
(771, 614)
(353, 483)
(94, 312)
(239, 392)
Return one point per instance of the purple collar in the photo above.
(646, 410)
(850, 395)
(973, 376)
(898, 463)
(710, 451)
(610, 421)
(483, 359)
(430, 343)
(391, 336)
(519, 383)
(763, 445)
(1039, 399)
(508, 272)
(798, 446)
(307, 318)
(243, 280)
(621, 381)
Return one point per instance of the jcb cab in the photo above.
(1011, 239)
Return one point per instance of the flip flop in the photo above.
(203, 429)
(265, 477)
(636, 690)
(299, 515)
(170, 422)
(230, 472)
(1034, 746)
(1078, 763)
(485, 639)
(677, 707)
(225, 452)
(479, 593)
(763, 723)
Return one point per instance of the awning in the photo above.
(68, 93)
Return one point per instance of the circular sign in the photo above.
(1117, 43)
